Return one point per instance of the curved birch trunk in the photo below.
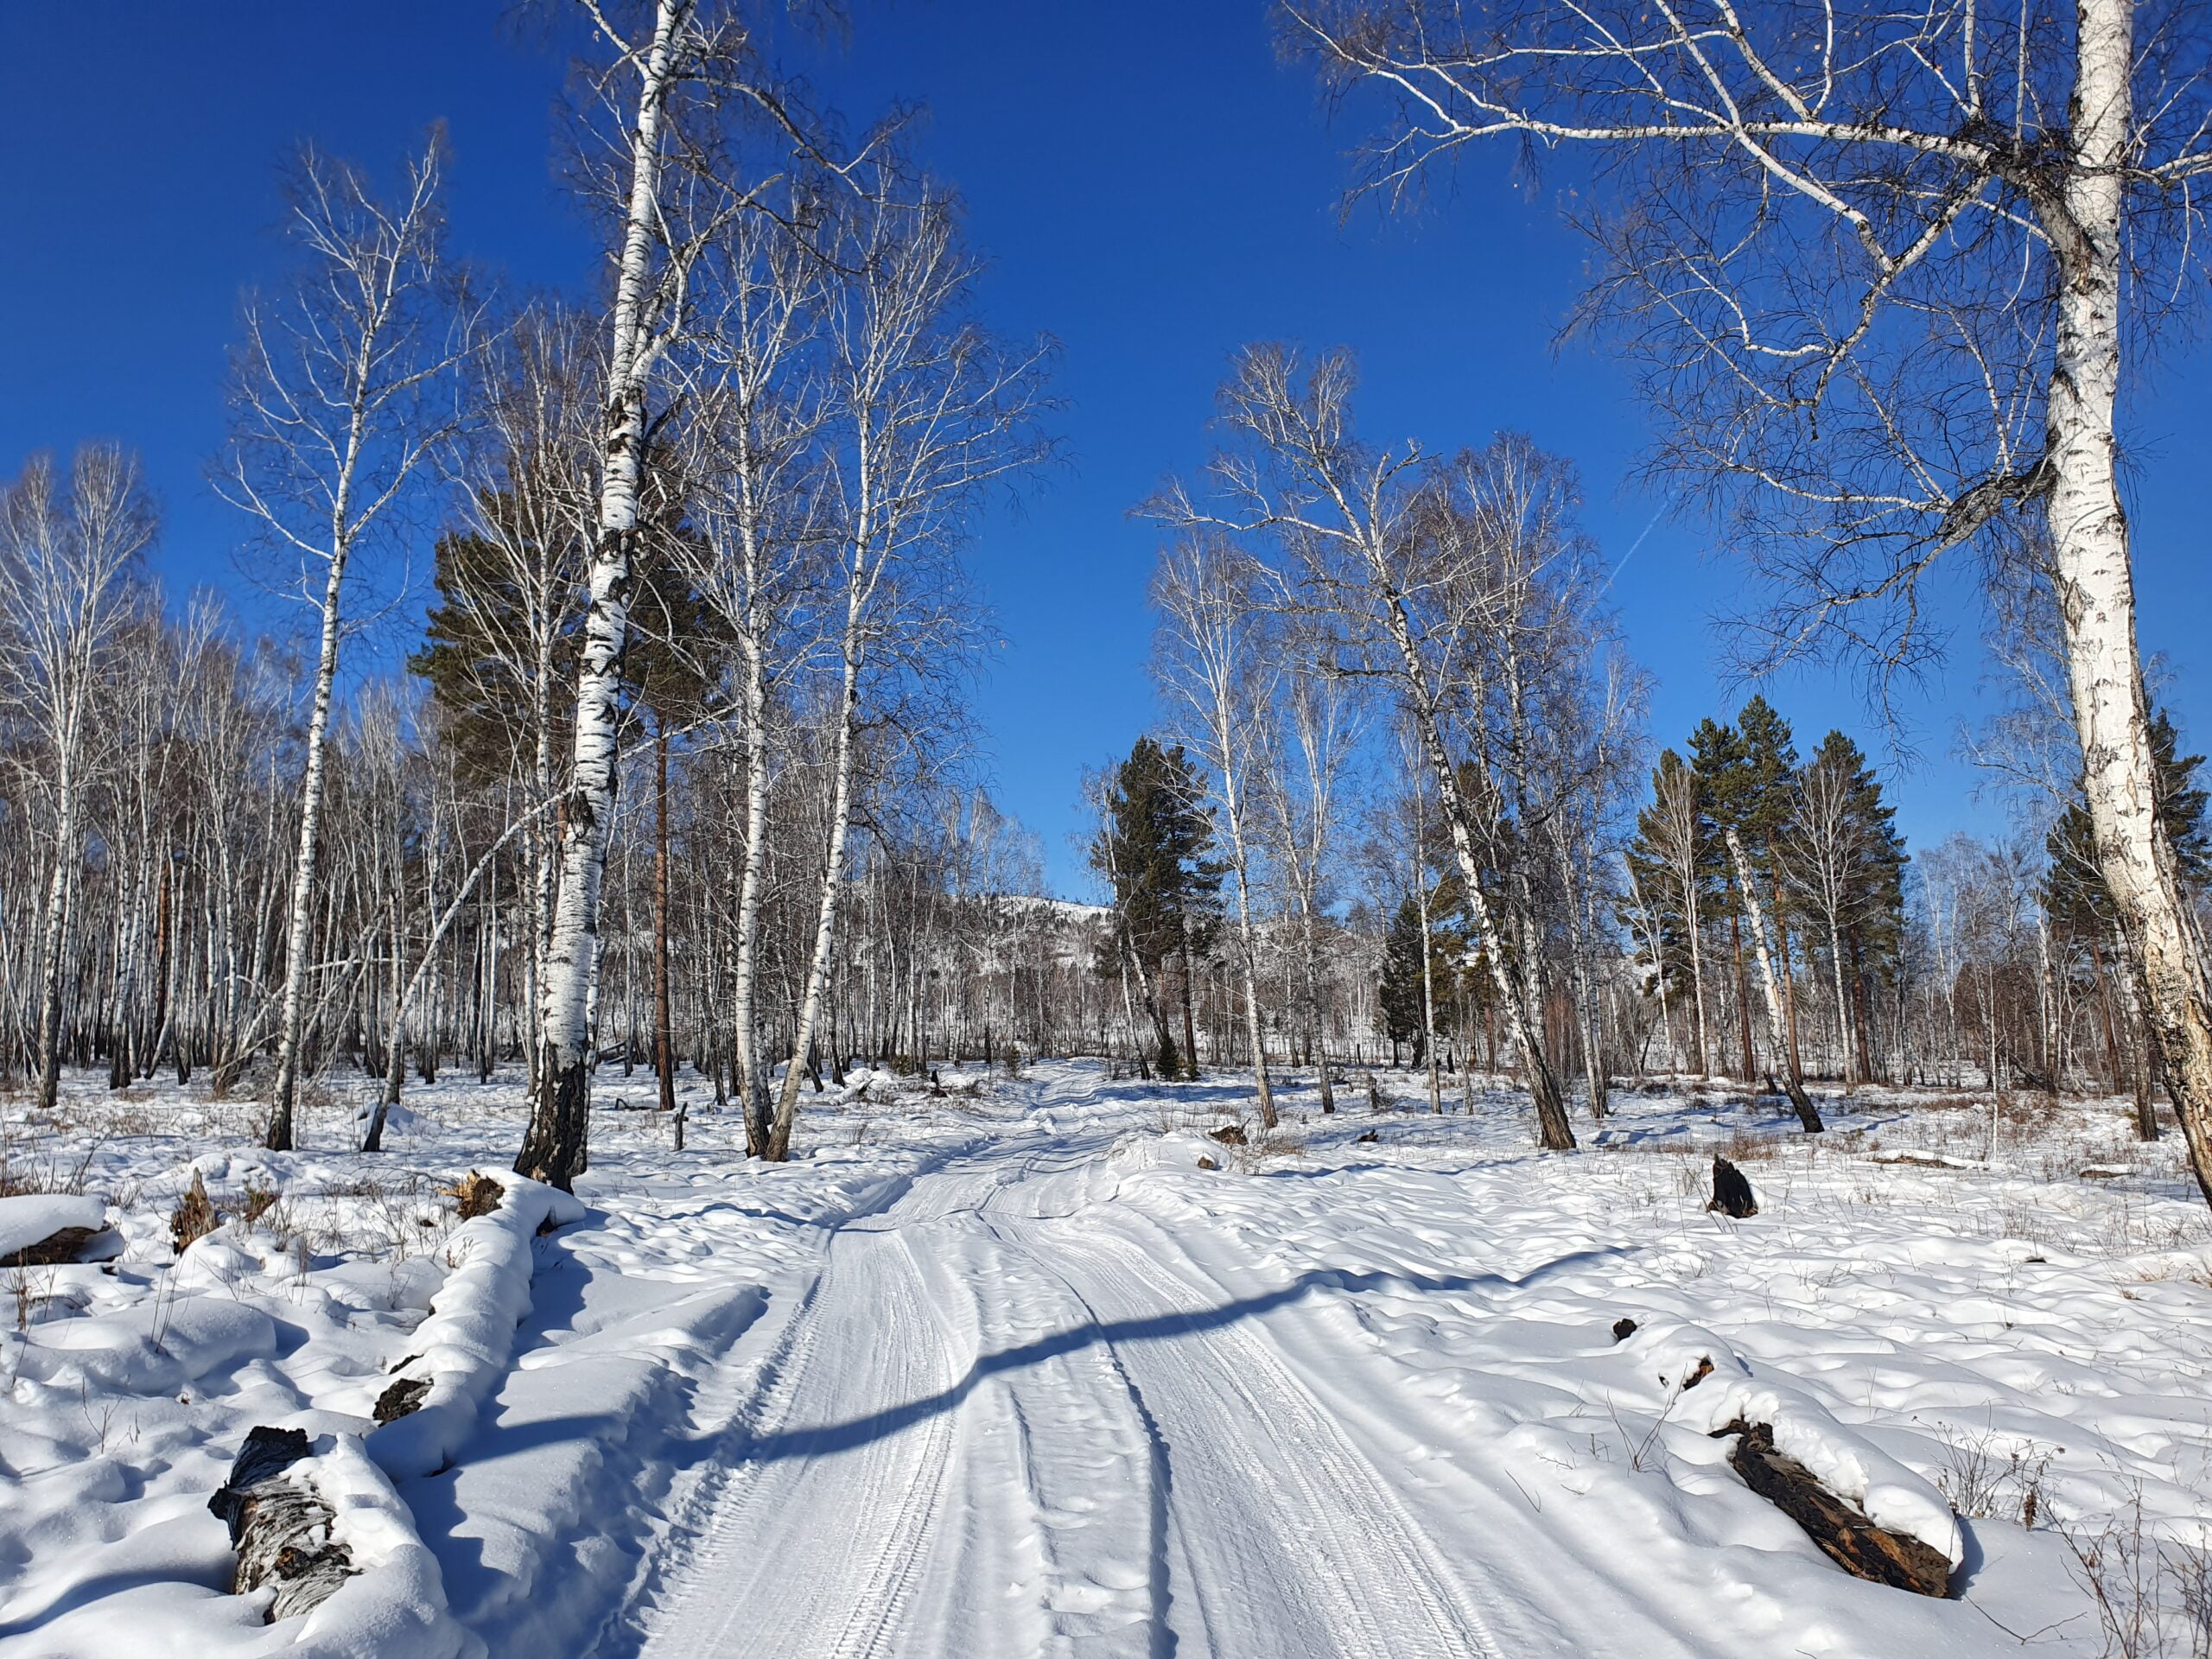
(1778, 1032)
(2091, 573)
(373, 1141)
(779, 1147)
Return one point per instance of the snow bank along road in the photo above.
(1008, 1373)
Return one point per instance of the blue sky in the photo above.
(1151, 186)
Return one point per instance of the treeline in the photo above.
(680, 773)
(169, 955)
(1399, 809)
(679, 770)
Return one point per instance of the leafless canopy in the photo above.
(1836, 235)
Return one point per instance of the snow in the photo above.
(396, 1604)
(1006, 1372)
(33, 1218)
(462, 1346)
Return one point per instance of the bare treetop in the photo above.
(1835, 242)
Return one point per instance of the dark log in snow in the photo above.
(1845, 1536)
(402, 1397)
(45, 1230)
(280, 1526)
(67, 1245)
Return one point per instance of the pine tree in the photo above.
(1747, 773)
(1401, 993)
(1154, 853)
(1717, 762)
(1767, 803)
(1844, 865)
(478, 662)
(2073, 890)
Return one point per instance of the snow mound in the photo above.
(36, 1217)
(1845, 1461)
(395, 1603)
(149, 1349)
(463, 1346)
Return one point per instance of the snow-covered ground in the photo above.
(1007, 1372)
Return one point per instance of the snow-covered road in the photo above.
(998, 1427)
(1056, 1390)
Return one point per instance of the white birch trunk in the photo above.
(1428, 993)
(751, 1056)
(1554, 1132)
(2096, 584)
(300, 924)
(56, 930)
(1776, 1032)
(554, 1148)
(1232, 800)
(1842, 1005)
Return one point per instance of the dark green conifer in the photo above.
(1154, 851)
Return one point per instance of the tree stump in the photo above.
(1731, 1193)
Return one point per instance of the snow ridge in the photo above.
(464, 1346)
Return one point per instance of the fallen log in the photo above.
(65, 1246)
(45, 1230)
(402, 1397)
(1844, 1535)
(280, 1526)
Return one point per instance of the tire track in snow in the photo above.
(1092, 1467)
(1363, 1395)
(1296, 1545)
(815, 1548)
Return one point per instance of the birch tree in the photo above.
(1307, 744)
(1884, 273)
(502, 638)
(1214, 661)
(335, 415)
(1347, 513)
(758, 494)
(1838, 861)
(1669, 861)
(69, 561)
(927, 408)
(677, 78)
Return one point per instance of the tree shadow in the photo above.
(827, 1439)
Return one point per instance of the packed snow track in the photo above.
(997, 1428)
